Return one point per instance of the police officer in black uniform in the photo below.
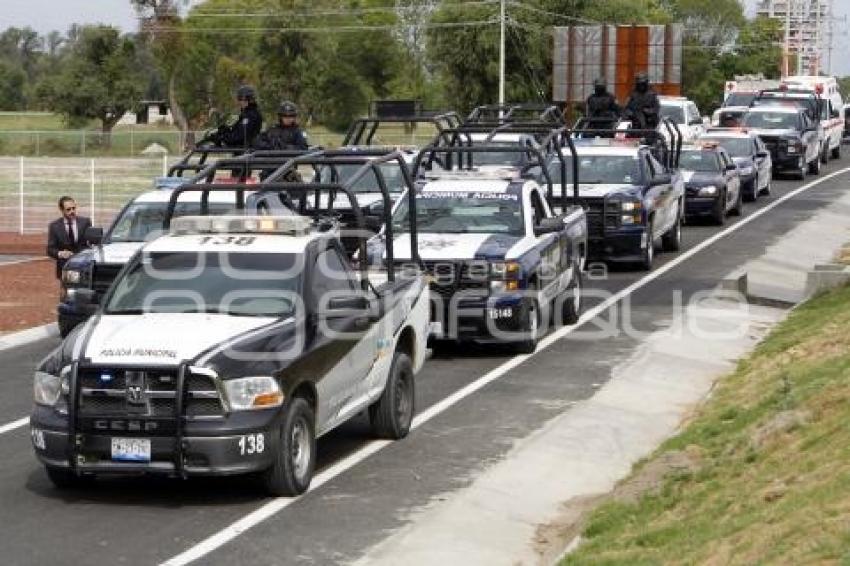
(643, 107)
(286, 134)
(246, 128)
(602, 107)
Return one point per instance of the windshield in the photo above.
(675, 113)
(598, 169)
(463, 212)
(736, 147)
(138, 220)
(242, 284)
(699, 161)
(739, 99)
(771, 120)
(368, 183)
(804, 103)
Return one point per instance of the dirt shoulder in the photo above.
(23, 244)
(29, 292)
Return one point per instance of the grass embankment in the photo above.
(763, 470)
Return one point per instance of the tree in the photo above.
(13, 81)
(99, 78)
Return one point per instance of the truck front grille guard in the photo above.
(75, 438)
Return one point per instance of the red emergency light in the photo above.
(819, 88)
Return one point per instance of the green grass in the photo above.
(754, 498)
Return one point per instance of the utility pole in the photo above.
(502, 52)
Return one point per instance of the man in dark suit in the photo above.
(66, 235)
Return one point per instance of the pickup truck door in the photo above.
(812, 135)
(659, 195)
(553, 247)
(344, 344)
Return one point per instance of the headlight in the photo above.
(504, 270)
(72, 276)
(503, 286)
(627, 219)
(249, 393)
(708, 191)
(630, 206)
(792, 148)
(47, 388)
(746, 170)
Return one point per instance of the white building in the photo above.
(807, 25)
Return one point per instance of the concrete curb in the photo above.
(28, 336)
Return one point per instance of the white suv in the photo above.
(685, 114)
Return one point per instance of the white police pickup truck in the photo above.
(500, 260)
(227, 347)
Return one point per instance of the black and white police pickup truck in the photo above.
(500, 259)
(227, 347)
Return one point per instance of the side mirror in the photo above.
(549, 226)
(661, 179)
(348, 303)
(93, 235)
(731, 167)
(762, 154)
(357, 307)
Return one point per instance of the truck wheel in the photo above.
(836, 151)
(649, 253)
(800, 172)
(571, 306)
(64, 478)
(292, 470)
(532, 327)
(719, 214)
(814, 167)
(738, 209)
(766, 190)
(672, 240)
(392, 414)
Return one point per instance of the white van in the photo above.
(832, 113)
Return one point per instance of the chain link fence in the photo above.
(30, 188)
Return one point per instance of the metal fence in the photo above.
(30, 187)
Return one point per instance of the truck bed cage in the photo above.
(370, 163)
(670, 154)
(197, 157)
(522, 112)
(362, 131)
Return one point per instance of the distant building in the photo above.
(808, 25)
(150, 112)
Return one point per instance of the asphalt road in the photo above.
(367, 489)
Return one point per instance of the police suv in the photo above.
(499, 258)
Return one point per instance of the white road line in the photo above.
(14, 425)
(250, 520)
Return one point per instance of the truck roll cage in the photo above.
(196, 159)
(523, 112)
(362, 131)
(369, 162)
(670, 152)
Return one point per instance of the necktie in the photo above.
(71, 233)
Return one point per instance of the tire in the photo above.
(532, 327)
(295, 460)
(751, 194)
(571, 305)
(719, 214)
(800, 173)
(646, 262)
(836, 151)
(392, 414)
(66, 325)
(672, 240)
(63, 478)
(814, 167)
(824, 156)
(738, 209)
(766, 190)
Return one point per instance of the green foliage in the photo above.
(98, 78)
(13, 81)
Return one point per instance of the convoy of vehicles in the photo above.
(712, 182)
(252, 303)
(831, 111)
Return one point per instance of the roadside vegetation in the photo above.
(762, 473)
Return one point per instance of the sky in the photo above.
(48, 15)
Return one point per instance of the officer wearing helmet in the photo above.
(643, 107)
(248, 125)
(286, 134)
(601, 106)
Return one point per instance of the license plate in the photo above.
(131, 449)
